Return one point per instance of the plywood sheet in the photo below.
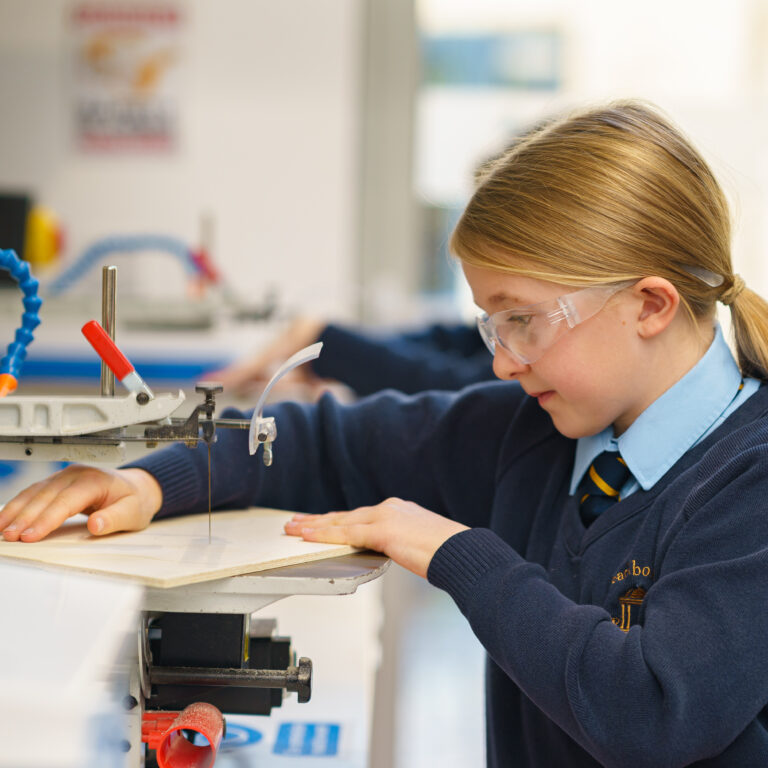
(170, 553)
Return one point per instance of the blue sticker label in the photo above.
(316, 739)
(7, 468)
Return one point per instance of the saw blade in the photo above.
(209, 493)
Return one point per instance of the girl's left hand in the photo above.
(405, 532)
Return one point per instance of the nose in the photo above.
(505, 366)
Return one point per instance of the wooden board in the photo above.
(170, 553)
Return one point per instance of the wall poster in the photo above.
(126, 61)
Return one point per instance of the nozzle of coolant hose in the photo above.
(8, 384)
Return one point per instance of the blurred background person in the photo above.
(437, 357)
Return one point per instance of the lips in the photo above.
(542, 397)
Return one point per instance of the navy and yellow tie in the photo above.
(602, 485)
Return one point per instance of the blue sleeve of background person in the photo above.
(441, 358)
(330, 456)
(677, 689)
(458, 339)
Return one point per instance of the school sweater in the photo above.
(438, 357)
(640, 641)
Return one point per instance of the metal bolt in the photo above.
(130, 702)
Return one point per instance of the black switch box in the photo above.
(200, 640)
(14, 210)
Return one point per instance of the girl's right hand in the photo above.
(115, 500)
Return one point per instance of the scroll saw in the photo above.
(198, 652)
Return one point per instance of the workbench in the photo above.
(333, 728)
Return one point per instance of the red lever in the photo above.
(117, 362)
(100, 340)
(154, 724)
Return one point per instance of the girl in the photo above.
(598, 515)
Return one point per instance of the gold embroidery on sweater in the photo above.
(630, 599)
(633, 569)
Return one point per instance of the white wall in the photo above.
(704, 63)
(269, 133)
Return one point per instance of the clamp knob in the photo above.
(209, 388)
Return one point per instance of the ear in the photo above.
(658, 300)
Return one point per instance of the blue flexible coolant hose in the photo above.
(17, 349)
(120, 244)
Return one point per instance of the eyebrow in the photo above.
(501, 297)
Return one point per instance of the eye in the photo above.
(518, 321)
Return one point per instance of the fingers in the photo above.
(9, 512)
(123, 515)
(239, 377)
(329, 519)
(358, 528)
(359, 515)
(354, 535)
(119, 500)
(337, 532)
(298, 524)
(404, 531)
(38, 510)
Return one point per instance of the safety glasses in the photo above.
(526, 333)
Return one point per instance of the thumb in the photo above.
(124, 515)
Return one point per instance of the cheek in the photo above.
(576, 370)
(592, 385)
(583, 387)
(599, 356)
(585, 405)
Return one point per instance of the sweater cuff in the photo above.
(180, 483)
(339, 346)
(355, 359)
(465, 558)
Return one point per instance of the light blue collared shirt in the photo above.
(684, 415)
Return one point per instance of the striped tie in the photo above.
(601, 485)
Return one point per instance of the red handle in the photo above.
(176, 751)
(118, 363)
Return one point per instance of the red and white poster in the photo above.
(126, 76)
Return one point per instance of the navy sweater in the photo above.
(438, 357)
(641, 641)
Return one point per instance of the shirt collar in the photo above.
(673, 423)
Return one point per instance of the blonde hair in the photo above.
(611, 194)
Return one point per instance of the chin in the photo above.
(574, 428)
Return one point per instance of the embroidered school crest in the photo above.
(630, 608)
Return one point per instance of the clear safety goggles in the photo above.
(527, 332)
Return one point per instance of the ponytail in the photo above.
(749, 320)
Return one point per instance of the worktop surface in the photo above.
(175, 552)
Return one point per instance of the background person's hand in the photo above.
(246, 376)
(115, 500)
(403, 531)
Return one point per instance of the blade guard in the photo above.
(302, 356)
